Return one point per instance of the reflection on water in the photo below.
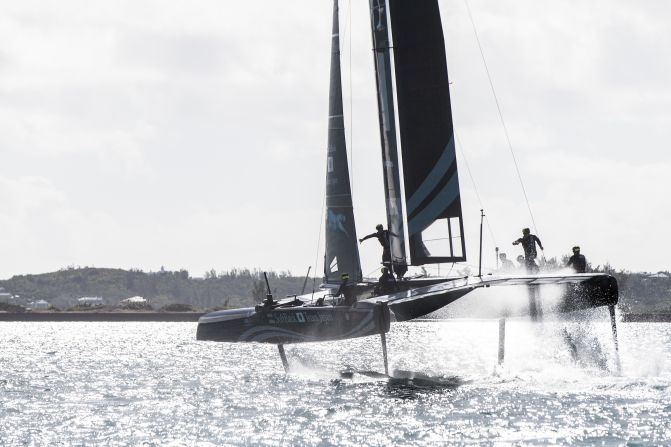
(152, 383)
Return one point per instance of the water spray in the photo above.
(502, 340)
(613, 325)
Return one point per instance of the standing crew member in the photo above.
(529, 242)
(577, 261)
(382, 236)
(506, 264)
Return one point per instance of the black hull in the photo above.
(594, 292)
(296, 324)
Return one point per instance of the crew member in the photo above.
(345, 290)
(382, 236)
(529, 242)
(386, 283)
(577, 261)
(269, 302)
(520, 261)
(506, 264)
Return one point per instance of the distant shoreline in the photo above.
(646, 318)
(193, 316)
(101, 316)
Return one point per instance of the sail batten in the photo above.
(342, 250)
(426, 131)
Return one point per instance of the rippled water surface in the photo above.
(154, 384)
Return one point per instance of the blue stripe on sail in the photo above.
(431, 212)
(434, 177)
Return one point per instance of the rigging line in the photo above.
(373, 271)
(319, 241)
(450, 271)
(475, 188)
(503, 123)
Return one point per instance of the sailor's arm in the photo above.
(539, 242)
(367, 237)
(517, 242)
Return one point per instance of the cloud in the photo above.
(193, 135)
(36, 223)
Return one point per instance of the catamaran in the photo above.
(425, 217)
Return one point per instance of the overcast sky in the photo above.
(192, 134)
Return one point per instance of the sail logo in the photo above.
(336, 222)
(329, 164)
(378, 18)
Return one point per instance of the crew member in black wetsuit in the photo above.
(382, 236)
(577, 261)
(529, 242)
(345, 290)
(386, 283)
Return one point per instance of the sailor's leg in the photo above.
(502, 340)
(283, 356)
(613, 325)
(383, 338)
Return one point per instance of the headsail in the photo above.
(432, 198)
(390, 165)
(342, 251)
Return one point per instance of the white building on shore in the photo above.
(5, 297)
(40, 305)
(90, 301)
(133, 300)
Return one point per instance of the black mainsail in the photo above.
(432, 197)
(390, 165)
(342, 251)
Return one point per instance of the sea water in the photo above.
(154, 384)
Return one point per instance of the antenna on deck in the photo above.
(269, 294)
(482, 218)
(307, 276)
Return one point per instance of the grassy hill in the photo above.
(237, 288)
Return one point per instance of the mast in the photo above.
(385, 103)
(342, 249)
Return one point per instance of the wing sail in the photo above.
(342, 249)
(432, 197)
